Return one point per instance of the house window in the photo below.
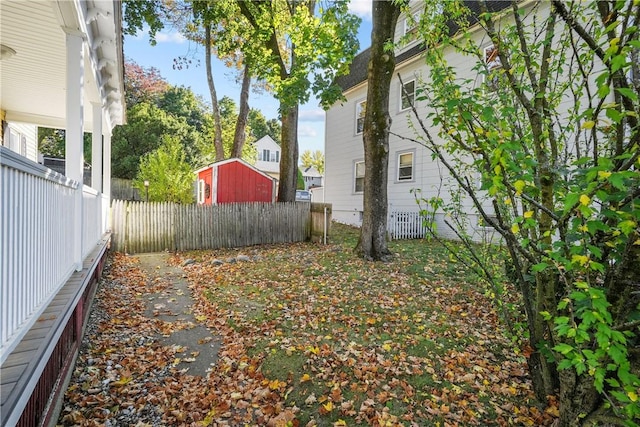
(265, 155)
(201, 196)
(405, 166)
(408, 95)
(411, 25)
(361, 108)
(277, 157)
(493, 64)
(359, 177)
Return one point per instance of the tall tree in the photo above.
(372, 243)
(313, 158)
(143, 133)
(169, 175)
(298, 50)
(239, 136)
(142, 84)
(260, 126)
(217, 137)
(552, 133)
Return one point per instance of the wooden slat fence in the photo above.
(153, 227)
(406, 225)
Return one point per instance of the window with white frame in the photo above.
(361, 109)
(358, 174)
(405, 166)
(201, 187)
(411, 25)
(493, 64)
(408, 95)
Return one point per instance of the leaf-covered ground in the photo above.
(311, 335)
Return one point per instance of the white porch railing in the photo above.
(92, 219)
(36, 240)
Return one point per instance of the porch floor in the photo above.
(22, 369)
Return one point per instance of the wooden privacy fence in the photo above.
(153, 227)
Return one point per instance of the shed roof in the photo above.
(232, 160)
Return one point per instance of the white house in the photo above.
(312, 178)
(411, 166)
(268, 156)
(20, 138)
(61, 66)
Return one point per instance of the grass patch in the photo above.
(365, 343)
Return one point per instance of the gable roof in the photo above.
(358, 68)
(267, 141)
(234, 160)
(311, 172)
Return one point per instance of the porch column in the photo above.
(106, 183)
(74, 165)
(96, 148)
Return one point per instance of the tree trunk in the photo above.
(289, 158)
(241, 124)
(372, 244)
(578, 397)
(217, 139)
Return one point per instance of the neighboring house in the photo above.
(61, 66)
(234, 181)
(59, 166)
(268, 156)
(312, 178)
(21, 138)
(411, 166)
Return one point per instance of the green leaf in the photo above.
(570, 201)
(536, 268)
(628, 93)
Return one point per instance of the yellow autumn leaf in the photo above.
(589, 124)
(340, 423)
(528, 214)
(328, 406)
(305, 378)
(122, 381)
(274, 385)
(201, 318)
(580, 259)
(604, 174)
(584, 200)
(386, 347)
(515, 228)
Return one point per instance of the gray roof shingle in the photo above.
(358, 68)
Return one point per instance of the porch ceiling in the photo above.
(33, 81)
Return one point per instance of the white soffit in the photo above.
(32, 82)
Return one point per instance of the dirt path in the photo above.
(173, 305)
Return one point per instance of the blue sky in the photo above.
(171, 45)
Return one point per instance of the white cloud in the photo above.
(306, 131)
(316, 115)
(173, 37)
(361, 8)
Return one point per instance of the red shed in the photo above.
(234, 181)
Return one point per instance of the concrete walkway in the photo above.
(198, 346)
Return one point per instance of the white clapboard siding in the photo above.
(154, 227)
